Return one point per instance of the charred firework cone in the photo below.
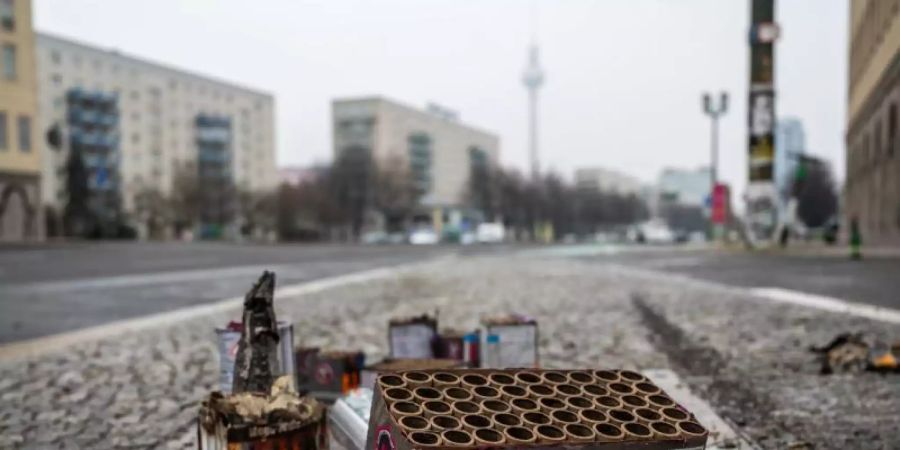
(579, 377)
(526, 378)
(646, 388)
(426, 394)
(620, 416)
(488, 438)
(503, 421)
(456, 394)
(607, 402)
(509, 393)
(539, 391)
(579, 432)
(561, 417)
(632, 402)
(464, 408)
(391, 381)
(444, 422)
(444, 379)
(481, 393)
(549, 434)
(534, 419)
(498, 380)
(620, 388)
(638, 432)
(524, 405)
(471, 381)
(255, 363)
(400, 409)
(494, 406)
(398, 394)
(553, 378)
(606, 376)
(647, 416)
(663, 430)
(661, 401)
(457, 438)
(567, 390)
(594, 391)
(414, 423)
(578, 403)
(519, 435)
(592, 416)
(474, 422)
(608, 432)
(692, 428)
(550, 404)
(425, 439)
(415, 379)
(674, 415)
(631, 376)
(435, 408)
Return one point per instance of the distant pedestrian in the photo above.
(855, 239)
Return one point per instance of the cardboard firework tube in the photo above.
(488, 437)
(494, 406)
(444, 379)
(618, 388)
(561, 417)
(539, 391)
(388, 381)
(691, 428)
(578, 403)
(400, 409)
(524, 405)
(416, 379)
(661, 401)
(580, 377)
(550, 404)
(637, 431)
(593, 390)
(549, 433)
(457, 438)
(608, 401)
(566, 390)
(505, 420)
(510, 392)
(485, 393)
(647, 388)
(579, 432)
(592, 416)
(606, 376)
(463, 408)
(608, 432)
(435, 408)
(632, 402)
(631, 376)
(472, 380)
(398, 394)
(647, 416)
(498, 380)
(519, 435)
(526, 378)
(414, 423)
(674, 415)
(425, 439)
(553, 377)
(535, 419)
(456, 394)
(621, 416)
(425, 394)
(444, 422)
(474, 422)
(663, 430)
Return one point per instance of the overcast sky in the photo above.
(624, 77)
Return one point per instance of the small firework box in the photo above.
(509, 341)
(327, 375)
(371, 372)
(539, 409)
(412, 337)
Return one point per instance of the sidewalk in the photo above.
(746, 356)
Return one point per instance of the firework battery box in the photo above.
(509, 341)
(370, 373)
(227, 339)
(348, 420)
(327, 375)
(412, 337)
(449, 344)
(510, 409)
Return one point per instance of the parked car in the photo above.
(490, 233)
(423, 236)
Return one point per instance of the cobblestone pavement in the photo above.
(745, 355)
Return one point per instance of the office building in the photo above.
(872, 181)
(21, 216)
(143, 126)
(438, 150)
(687, 187)
(606, 180)
(790, 143)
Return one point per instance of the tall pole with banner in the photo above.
(761, 193)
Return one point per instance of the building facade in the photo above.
(606, 180)
(159, 126)
(21, 217)
(439, 152)
(790, 143)
(688, 187)
(872, 181)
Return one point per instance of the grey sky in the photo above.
(624, 77)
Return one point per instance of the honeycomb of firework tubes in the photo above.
(466, 408)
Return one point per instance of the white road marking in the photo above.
(827, 303)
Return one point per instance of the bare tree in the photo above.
(185, 201)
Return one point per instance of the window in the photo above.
(3, 138)
(57, 79)
(54, 56)
(7, 15)
(9, 61)
(24, 134)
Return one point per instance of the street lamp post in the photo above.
(714, 111)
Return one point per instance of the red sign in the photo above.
(720, 203)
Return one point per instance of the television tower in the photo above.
(533, 78)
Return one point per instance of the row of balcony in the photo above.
(87, 97)
(205, 121)
(94, 139)
(99, 118)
